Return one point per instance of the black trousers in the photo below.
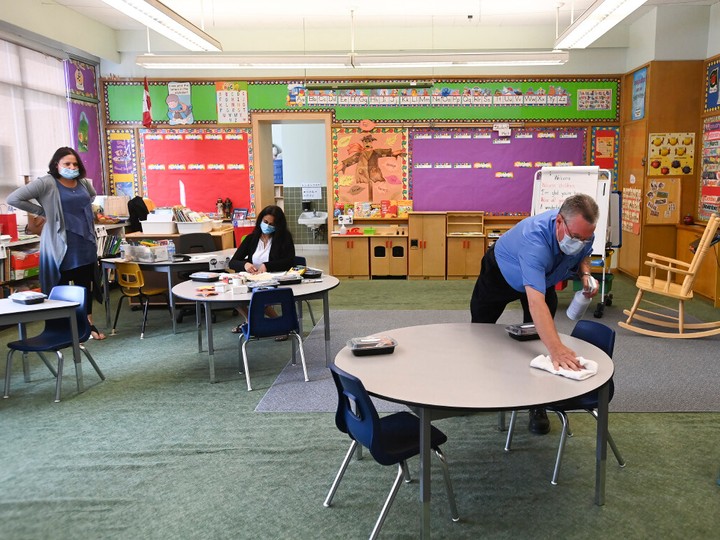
(82, 276)
(492, 294)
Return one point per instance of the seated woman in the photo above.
(269, 248)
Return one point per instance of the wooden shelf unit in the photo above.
(465, 244)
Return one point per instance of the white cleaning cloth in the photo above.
(590, 368)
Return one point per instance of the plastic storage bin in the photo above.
(158, 227)
(193, 226)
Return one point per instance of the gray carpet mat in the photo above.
(651, 374)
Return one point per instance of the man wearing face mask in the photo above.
(526, 263)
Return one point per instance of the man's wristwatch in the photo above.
(586, 274)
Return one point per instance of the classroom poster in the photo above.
(638, 94)
(605, 147)
(195, 167)
(122, 159)
(232, 107)
(671, 154)
(631, 205)
(85, 134)
(712, 86)
(709, 200)
(477, 169)
(370, 166)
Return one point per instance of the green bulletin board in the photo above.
(588, 100)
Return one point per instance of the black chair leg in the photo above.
(117, 315)
(146, 306)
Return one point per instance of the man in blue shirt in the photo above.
(526, 263)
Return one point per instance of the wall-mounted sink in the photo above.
(312, 220)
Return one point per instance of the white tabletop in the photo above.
(8, 307)
(188, 290)
(468, 366)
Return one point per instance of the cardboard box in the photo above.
(146, 254)
(26, 273)
(158, 227)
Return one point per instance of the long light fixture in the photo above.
(600, 17)
(165, 21)
(353, 60)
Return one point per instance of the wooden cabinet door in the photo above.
(350, 257)
(706, 282)
(464, 257)
(426, 248)
(388, 256)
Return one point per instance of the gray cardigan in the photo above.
(53, 240)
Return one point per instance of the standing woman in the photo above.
(68, 247)
(269, 248)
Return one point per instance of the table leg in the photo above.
(209, 336)
(106, 294)
(425, 415)
(171, 298)
(76, 352)
(601, 444)
(198, 324)
(326, 319)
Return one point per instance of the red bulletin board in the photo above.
(199, 166)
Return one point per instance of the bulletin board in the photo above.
(195, 167)
(476, 169)
(122, 159)
(709, 199)
(663, 201)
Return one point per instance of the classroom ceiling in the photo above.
(276, 15)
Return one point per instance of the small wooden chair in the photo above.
(672, 288)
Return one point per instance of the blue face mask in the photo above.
(571, 246)
(266, 229)
(70, 174)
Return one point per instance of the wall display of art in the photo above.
(605, 148)
(80, 79)
(709, 199)
(712, 85)
(631, 205)
(477, 169)
(457, 100)
(663, 201)
(232, 105)
(122, 162)
(671, 154)
(370, 166)
(85, 135)
(195, 167)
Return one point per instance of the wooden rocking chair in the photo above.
(676, 325)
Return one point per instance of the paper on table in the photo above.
(590, 367)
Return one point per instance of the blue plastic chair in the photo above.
(391, 440)
(603, 337)
(55, 337)
(271, 313)
(302, 261)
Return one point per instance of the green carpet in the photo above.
(158, 452)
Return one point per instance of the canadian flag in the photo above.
(147, 117)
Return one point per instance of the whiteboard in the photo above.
(555, 184)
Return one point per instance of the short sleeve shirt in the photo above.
(529, 254)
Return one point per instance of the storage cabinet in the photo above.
(426, 245)
(350, 257)
(465, 244)
(707, 282)
(388, 256)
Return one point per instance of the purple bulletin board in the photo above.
(85, 133)
(475, 169)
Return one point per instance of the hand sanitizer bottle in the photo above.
(580, 302)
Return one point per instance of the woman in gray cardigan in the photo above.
(68, 246)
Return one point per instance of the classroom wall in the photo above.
(713, 48)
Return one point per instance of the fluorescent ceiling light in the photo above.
(595, 21)
(352, 60)
(460, 59)
(165, 21)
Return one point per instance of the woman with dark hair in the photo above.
(269, 248)
(68, 246)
